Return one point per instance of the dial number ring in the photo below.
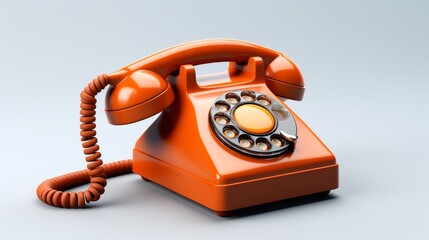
(261, 144)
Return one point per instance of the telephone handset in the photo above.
(147, 76)
(228, 145)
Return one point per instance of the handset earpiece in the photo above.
(284, 78)
(139, 95)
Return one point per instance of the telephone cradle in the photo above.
(225, 140)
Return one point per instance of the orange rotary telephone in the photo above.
(227, 142)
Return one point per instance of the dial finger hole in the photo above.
(264, 100)
(232, 98)
(221, 119)
(245, 141)
(263, 144)
(222, 106)
(248, 96)
(278, 140)
(230, 132)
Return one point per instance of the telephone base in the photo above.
(225, 199)
(181, 151)
(275, 205)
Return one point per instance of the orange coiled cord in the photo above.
(51, 190)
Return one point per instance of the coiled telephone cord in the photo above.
(52, 191)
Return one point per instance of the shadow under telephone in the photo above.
(227, 145)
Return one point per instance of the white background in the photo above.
(366, 69)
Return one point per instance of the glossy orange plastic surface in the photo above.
(180, 151)
(254, 119)
(132, 80)
(139, 96)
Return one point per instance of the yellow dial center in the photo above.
(254, 119)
